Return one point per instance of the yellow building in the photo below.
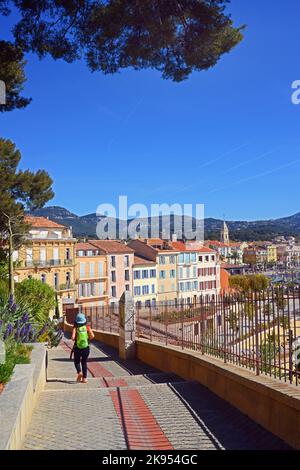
(48, 254)
(91, 276)
(271, 253)
(144, 282)
(165, 257)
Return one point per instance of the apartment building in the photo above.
(144, 282)
(271, 254)
(198, 272)
(120, 259)
(48, 255)
(165, 257)
(91, 276)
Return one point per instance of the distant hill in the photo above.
(239, 230)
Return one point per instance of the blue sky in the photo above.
(228, 138)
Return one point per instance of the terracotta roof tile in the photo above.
(142, 261)
(112, 246)
(42, 222)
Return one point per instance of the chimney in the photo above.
(174, 237)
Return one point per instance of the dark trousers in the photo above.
(80, 360)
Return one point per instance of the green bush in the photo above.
(37, 297)
(16, 353)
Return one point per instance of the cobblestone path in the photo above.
(129, 405)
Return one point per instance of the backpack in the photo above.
(82, 339)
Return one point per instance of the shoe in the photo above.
(84, 381)
(79, 377)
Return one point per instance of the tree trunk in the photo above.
(11, 280)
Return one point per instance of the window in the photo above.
(113, 261)
(162, 274)
(43, 278)
(145, 290)
(180, 273)
(127, 286)
(181, 258)
(89, 253)
(56, 280)
(137, 290)
(195, 285)
(152, 272)
(213, 257)
(92, 269)
(172, 273)
(100, 269)
(126, 274)
(153, 288)
(193, 258)
(68, 280)
(187, 258)
(188, 286)
(126, 261)
(200, 258)
(136, 274)
(181, 286)
(113, 276)
(206, 258)
(162, 260)
(80, 253)
(194, 271)
(172, 259)
(187, 273)
(82, 269)
(145, 274)
(113, 291)
(68, 255)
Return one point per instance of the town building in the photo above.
(144, 282)
(48, 254)
(165, 257)
(120, 259)
(91, 276)
(198, 272)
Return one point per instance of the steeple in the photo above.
(225, 234)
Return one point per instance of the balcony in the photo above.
(68, 262)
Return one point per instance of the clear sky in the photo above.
(228, 138)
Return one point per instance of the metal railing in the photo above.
(254, 330)
(259, 331)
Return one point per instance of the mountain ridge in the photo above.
(239, 230)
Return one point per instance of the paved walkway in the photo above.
(129, 405)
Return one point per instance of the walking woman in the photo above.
(81, 335)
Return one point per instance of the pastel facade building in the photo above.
(165, 257)
(48, 255)
(91, 276)
(144, 282)
(198, 272)
(120, 259)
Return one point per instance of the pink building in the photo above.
(120, 258)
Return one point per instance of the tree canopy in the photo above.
(246, 283)
(175, 37)
(20, 190)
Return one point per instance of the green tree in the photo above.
(254, 283)
(19, 191)
(174, 37)
(37, 296)
(12, 74)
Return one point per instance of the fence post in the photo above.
(256, 334)
(127, 327)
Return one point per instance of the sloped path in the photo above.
(129, 405)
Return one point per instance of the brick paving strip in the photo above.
(142, 431)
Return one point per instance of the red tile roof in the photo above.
(142, 261)
(42, 222)
(112, 246)
(180, 246)
(85, 246)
